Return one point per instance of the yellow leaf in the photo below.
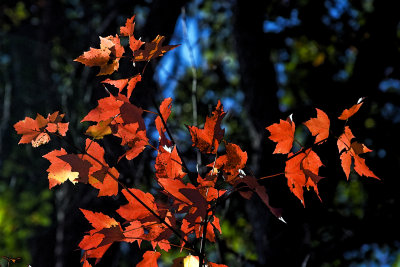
(99, 130)
(188, 261)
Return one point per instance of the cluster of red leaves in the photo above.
(302, 168)
(148, 219)
(144, 217)
(36, 131)
(189, 212)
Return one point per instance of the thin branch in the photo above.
(203, 240)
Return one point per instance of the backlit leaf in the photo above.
(283, 134)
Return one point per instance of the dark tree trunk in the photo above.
(258, 82)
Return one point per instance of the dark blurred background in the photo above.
(264, 60)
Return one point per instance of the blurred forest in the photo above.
(264, 60)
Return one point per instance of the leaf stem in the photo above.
(150, 145)
(273, 175)
(149, 111)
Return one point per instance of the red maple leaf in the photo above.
(347, 113)
(207, 188)
(134, 138)
(106, 231)
(78, 164)
(302, 171)
(126, 122)
(283, 134)
(350, 151)
(32, 131)
(129, 27)
(207, 140)
(59, 170)
(234, 160)
(107, 57)
(127, 30)
(152, 49)
(165, 110)
(94, 57)
(169, 164)
(135, 210)
(319, 126)
(252, 186)
(35, 131)
(85, 168)
(122, 83)
(149, 259)
(132, 84)
(101, 176)
(108, 107)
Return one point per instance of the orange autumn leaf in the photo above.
(101, 176)
(347, 113)
(106, 231)
(207, 140)
(283, 134)
(134, 210)
(135, 44)
(319, 126)
(78, 164)
(153, 49)
(169, 164)
(344, 140)
(350, 151)
(59, 170)
(149, 259)
(128, 29)
(94, 57)
(132, 84)
(234, 160)
(165, 110)
(55, 125)
(120, 84)
(90, 167)
(117, 50)
(107, 107)
(107, 57)
(134, 232)
(133, 137)
(105, 182)
(99, 220)
(35, 131)
(302, 170)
